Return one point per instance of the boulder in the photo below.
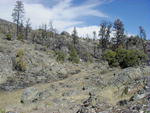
(30, 95)
(129, 74)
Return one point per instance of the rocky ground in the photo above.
(51, 87)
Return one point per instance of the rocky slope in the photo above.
(51, 87)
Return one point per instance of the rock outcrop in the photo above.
(129, 74)
(32, 95)
(67, 87)
(5, 67)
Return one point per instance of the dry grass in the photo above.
(10, 98)
(112, 95)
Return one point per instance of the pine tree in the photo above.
(119, 32)
(27, 28)
(18, 14)
(74, 55)
(75, 37)
(143, 36)
(94, 39)
(104, 33)
(142, 33)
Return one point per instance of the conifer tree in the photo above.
(18, 14)
(75, 37)
(119, 32)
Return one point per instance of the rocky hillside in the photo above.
(32, 81)
(6, 26)
(88, 49)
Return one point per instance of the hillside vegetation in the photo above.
(43, 71)
(61, 85)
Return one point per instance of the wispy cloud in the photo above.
(63, 13)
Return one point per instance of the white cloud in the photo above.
(85, 31)
(130, 34)
(88, 31)
(63, 14)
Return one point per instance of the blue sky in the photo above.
(133, 13)
(86, 15)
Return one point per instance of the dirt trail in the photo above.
(72, 85)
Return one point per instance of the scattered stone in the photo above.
(11, 112)
(122, 102)
(30, 95)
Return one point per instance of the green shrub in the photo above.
(2, 111)
(73, 55)
(8, 36)
(110, 56)
(61, 57)
(87, 57)
(20, 63)
(121, 54)
(125, 58)
(20, 37)
(20, 53)
(130, 58)
(142, 56)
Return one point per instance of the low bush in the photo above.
(8, 36)
(110, 56)
(20, 53)
(73, 55)
(60, 56)
(125, 58)
(87, 57)
(2, 111)
(20, 37)
(130, 58)
(20, 63)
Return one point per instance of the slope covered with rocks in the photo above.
(48, 86)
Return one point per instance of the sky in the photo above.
(85, 15)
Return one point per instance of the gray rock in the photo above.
(11, 112)
(65, 49)
(104, 112)
(129, 74)
(65, 33)
(30, 95)
(70, 93)
(5, 67)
